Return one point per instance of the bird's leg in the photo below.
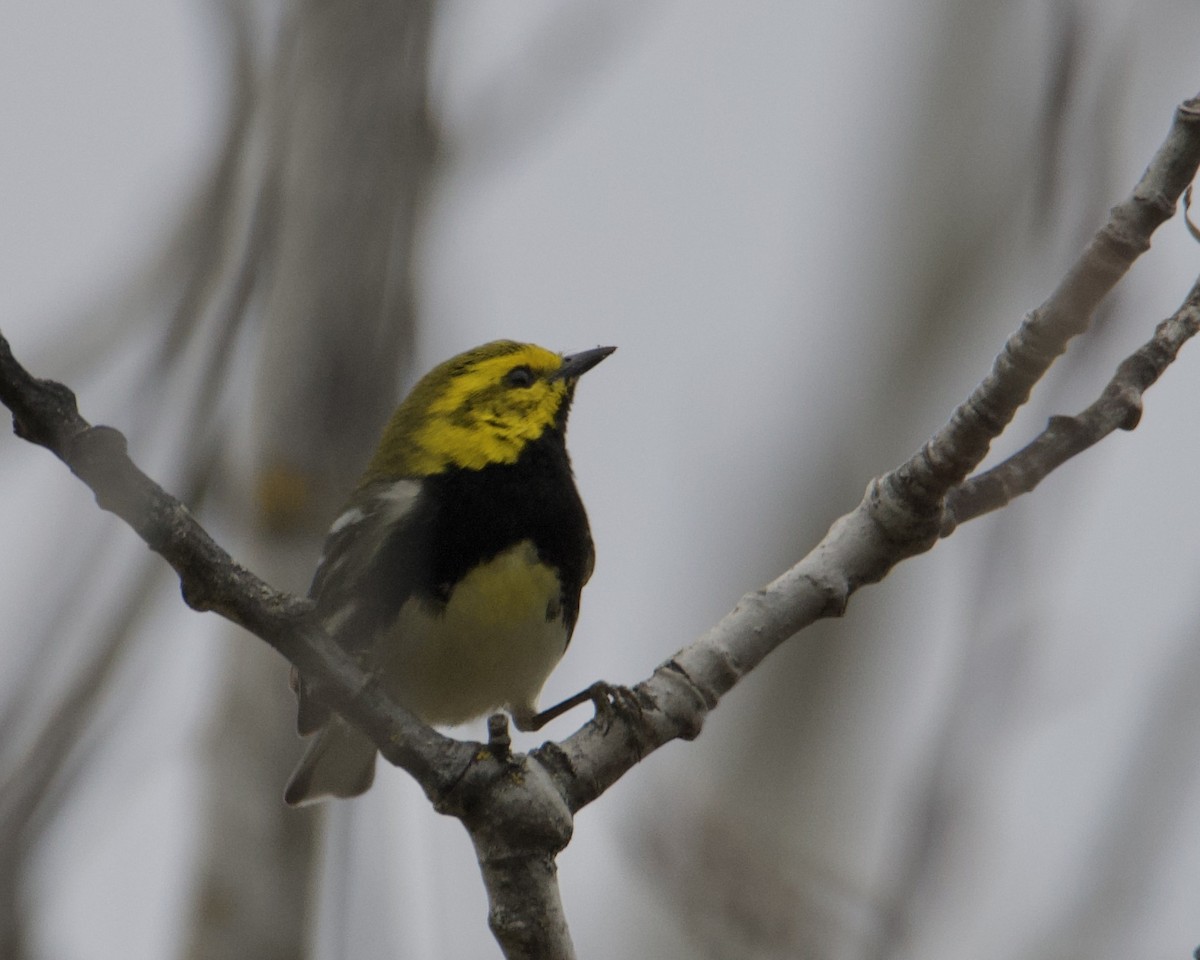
(604, 696)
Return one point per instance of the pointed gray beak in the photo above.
(580, 363)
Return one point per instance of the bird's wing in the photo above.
(374, 558)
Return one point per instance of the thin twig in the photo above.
(1119, 407)
(912, 494)
(901, 513)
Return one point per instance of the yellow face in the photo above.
(479, 408)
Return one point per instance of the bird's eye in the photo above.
(519, 377)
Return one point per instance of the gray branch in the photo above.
(518, 809)
(1119, 407)
(903, 513)
(45, 413)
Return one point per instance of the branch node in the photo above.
(51, 397)
(690, 722)
(1159, 202)
(196, 594)
(499, 741)
(95, 446)
(834, 589)
(1132, 401)
(905, 510)
(95, 455)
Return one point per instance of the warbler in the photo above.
(454, 573)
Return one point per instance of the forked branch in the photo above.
(903, 513)
(1119, 407)
(519, 809)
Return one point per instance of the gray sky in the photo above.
(744, 198)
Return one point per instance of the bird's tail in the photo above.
(339, 762)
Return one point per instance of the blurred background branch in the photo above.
(285, 250)
(690, 182)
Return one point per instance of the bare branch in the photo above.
(900, 515)
(516, 854)
(44, 412)
(1118, 408)
(518, 809)
(514, 812)
(919, 485)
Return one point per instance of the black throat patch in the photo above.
(463, 518)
